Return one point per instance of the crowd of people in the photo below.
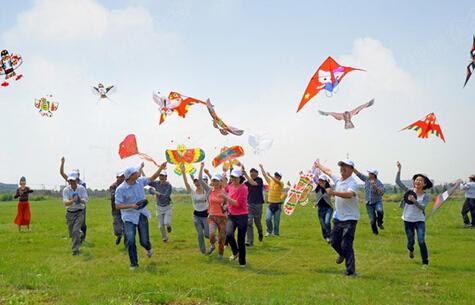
(225, 210)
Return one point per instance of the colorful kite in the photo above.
(298, 194)
(8, 64)
(328, 78)
(102, 91)
(174, 103)
(425, 126)
(471, 65)
(441, 198)
(260, 143)
(46, 106)
(219, 124)
(128, 147)
(228, 157)
(184, 156)
(348, 115)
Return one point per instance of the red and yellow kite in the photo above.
(175, 102)
(128, 147)
(228, 157)
(185, 156)
(426, 126)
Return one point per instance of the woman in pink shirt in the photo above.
(237, 217)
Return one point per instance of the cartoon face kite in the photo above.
(102, 90)
(8, 64)
(46, 106)
(471, 65)
(174, 103)
(228, 157)
(425, 126)
(185, 156)
(298, 194)
(128, 147)
(328, 78)
(347, 115)
(260, 143)
(219, 124)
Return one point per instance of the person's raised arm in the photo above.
(264, 174)
(185, 179)
(362, 177)
(157, 173)
(398, 178)
(61, 169)
(248, 178)
(142, 172)
(200, 177)
(324, 169)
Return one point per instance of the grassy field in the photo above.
(296, 268)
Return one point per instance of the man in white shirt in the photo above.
(346, 213)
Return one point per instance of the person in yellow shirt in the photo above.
(275, 198)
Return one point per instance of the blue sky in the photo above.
(253, 59)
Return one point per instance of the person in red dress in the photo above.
(23, 215)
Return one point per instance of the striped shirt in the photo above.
(370, 194)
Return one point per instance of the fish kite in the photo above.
(327, 77)
(185, 156)
(259, 143)
(228, 157)
(441, 198)
(348, 115)
(8, 64)
(298, 194)
(219, 124)
(102, 90)
(471, 65)
(128, 147)
(46, 106)
(175, 102)
(425, 126)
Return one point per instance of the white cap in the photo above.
(130, 171)
(347, 162)
(121, 173)
(72, 178)
(163, 173)
(237, 173)
(73, 174)
(217, 177)
(373, 171)
(324, 177)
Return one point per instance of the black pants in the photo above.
(239, 222)
(84, 227)
(343, 234)
(468, 206)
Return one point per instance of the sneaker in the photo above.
(76, 253)
(117, 240)
(340, 259)
(149, 253)
(233, 257)
(328, 240)
(261, 237)
(242, 266)
(220, 257)
(248, 244)
(211, 249)
(381, 226)
(411, 254)
(165, 241)
(425, 266)
(375, 232)
(134, 267)
(467, 225)
(169, 229)
(352, 274)
(268, 234)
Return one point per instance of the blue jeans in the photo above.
(129, 229)
(324, 216)
(420, 228)
(273, 212)
(375, 214)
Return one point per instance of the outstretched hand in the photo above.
(398, 164)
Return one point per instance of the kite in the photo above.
(327, 77)
(471, 65)
(128, 147)
(298, 194)
(102, 91)
(175, 102)
(184, 156)
(441, 198)
(219, 124)
(8, 64)
(348, 115)
(46, 106)
(228, 157)
(259, 143)
(425, 126)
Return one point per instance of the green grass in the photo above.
(296, 268)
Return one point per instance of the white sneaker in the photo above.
(132, 268)
(242, 266)
(268, 234)
(149, 253)
(234, 257)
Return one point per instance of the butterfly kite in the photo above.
(425, 126)
(184, 156)
(175, 102)
(327, 77)
(46, 106)
(441, 198)
(128, 147)
(471, 65)
(260, 143)
(298, 194)
(8, 64)
(219, 124)
(348, 115)
(102, 90)
(228, 157)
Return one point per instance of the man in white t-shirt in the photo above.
(346, 213)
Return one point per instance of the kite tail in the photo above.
(148, 158)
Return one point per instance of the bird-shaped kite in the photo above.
(348, 115)
(219, 124)
(128, 147)
(327, 77)
(102, 90)
(175, 102)
(425, 126)
(260, 143)
(8, 64)
(228, 157)
(46, 105)
(471, 65)
(185, 156)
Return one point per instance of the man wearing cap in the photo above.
(469, 204)
(373, 192)
(130, 200)
(275, 200)
(255, 199)
(162, 190)
(346, 213)
(117, 222)
(75, 199)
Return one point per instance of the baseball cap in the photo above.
(346, 162)
(324, 177)
(163, 173)
(130, 171)
(373, 171)
(236, 173)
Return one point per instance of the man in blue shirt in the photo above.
(373, 192)
(130, 200)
